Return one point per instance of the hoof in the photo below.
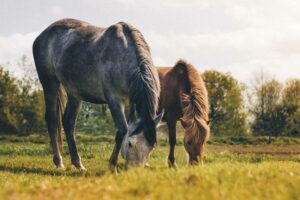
(79, 166)
(58, 162)
(60, 166)
(113, 168)
(82, 168)
(147, 165)
(172, 164)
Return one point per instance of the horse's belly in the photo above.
(92, 96)
(85, 86)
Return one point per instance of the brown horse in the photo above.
(184, 97)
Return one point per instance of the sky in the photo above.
(241, 37)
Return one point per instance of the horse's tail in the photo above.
(61, 105)
(195, 104)
(144, 87)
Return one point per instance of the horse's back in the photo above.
(64, 33)
(80, 27)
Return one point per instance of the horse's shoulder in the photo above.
(116, 29)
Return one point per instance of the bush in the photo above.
(21, 106)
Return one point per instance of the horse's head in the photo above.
(195, 137)
(135, 147)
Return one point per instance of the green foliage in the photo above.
(291, 100)
(21, 106)
(292, 127)
(8, 101)
(291, 92)
(227, 116)
(95, 119)
(276, 110)
(266, 109)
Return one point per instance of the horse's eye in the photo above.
(129, 144)
(189, 143)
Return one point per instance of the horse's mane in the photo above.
(144, 87)
(195, 105)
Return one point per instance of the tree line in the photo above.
(265, 107)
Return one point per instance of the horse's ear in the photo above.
(138, 128)
(159, 117)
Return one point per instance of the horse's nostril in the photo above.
(129, 144)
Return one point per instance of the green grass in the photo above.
(27, 172)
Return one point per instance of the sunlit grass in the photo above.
(27, 172)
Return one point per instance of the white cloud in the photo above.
(13, 47)
(265, 37)
(241, 52)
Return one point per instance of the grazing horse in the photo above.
(99, 65)
(184, 97)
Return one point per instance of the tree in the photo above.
(8, 100)
(21, 103)
(227, 116)
(291, 101)
(269, 115)
(291, 92)
(276, 109)
(31, 105)
(31, 108)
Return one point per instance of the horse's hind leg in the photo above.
(51, 94)
(69, 122)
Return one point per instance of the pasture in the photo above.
(235, 168)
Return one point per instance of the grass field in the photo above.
(235, 168)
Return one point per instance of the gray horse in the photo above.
(99, 65)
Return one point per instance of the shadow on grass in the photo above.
(57, 172)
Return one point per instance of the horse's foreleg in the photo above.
(118, 114)
(114, 156)
(172, 142)
(69, 123)
(51, 95)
